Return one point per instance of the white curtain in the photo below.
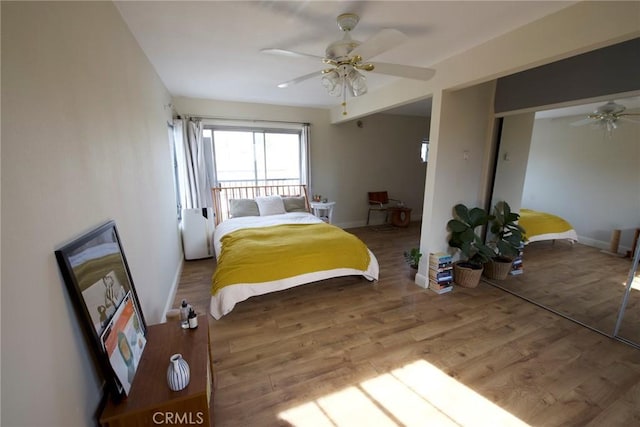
(305, 173)
(195, 186)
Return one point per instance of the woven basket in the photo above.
(498, 270)
(465, 276)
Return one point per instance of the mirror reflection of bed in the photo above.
(588, 176)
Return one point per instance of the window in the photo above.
(424, 150)
(229, 153)
(252, 157)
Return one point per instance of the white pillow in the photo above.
(270, 205)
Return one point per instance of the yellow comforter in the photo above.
(256, 255)
(537, 223)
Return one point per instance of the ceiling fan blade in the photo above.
(380, 42)
(290, 54)
(407, 71)
(583, 122)
(300, 79)
(629, 119)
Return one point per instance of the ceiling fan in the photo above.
(606, 116)
(347, 58)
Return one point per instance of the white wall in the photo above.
(85, 140)
(346, 161)
(512, 159)
(587, 177)
(461, 154)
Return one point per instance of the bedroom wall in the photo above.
(84, 140)
(587, 177)
(511, 162)
(460, 172)
(347, 161)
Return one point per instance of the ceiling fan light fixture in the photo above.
(332, 82)
(607, 117)
(348, 57)
(357, 82)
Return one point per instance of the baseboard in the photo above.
(605, 246)
(172, 291)
(358, 224)
(422, 281)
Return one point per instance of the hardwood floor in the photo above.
(345, 352)
(581, 282)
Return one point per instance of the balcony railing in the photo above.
(256, 182)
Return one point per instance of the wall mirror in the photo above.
(586, 172)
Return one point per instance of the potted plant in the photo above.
(507, 238)
(464, 237)
(413, 259)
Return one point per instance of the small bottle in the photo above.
(184, 314)
(193, 319)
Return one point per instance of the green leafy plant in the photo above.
(465, 238)
(413, 257)
(507, 234)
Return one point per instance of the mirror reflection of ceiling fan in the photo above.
(607, 116)
(348, 58)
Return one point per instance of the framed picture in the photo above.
(96, 274)
(123, 340)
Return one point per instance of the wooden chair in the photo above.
(379, 201)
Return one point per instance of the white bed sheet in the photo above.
(225, 300)
(569, 235)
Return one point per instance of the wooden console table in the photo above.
(150, 401)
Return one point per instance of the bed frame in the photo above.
(222, 195)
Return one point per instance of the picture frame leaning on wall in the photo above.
(97, 276)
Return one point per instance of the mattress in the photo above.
(541, 226)
(225, 297)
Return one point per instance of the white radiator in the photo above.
(197, 231)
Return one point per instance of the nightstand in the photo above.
(150, 401)
(323, 210)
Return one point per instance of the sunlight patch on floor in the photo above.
(417, 394)
(635, 284)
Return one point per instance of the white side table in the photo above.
(323, 210)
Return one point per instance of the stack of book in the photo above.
(516, 267)
(440, 272)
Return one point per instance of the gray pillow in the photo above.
(243, 207)
(294, 204)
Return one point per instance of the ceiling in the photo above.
(211, 49)
(629, 102)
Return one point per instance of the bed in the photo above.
(541, 226)
(266, 241)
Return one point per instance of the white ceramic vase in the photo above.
(178, 373)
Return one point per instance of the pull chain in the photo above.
(344, 97)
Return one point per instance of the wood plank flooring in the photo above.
(581, 282)
(346, 352)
